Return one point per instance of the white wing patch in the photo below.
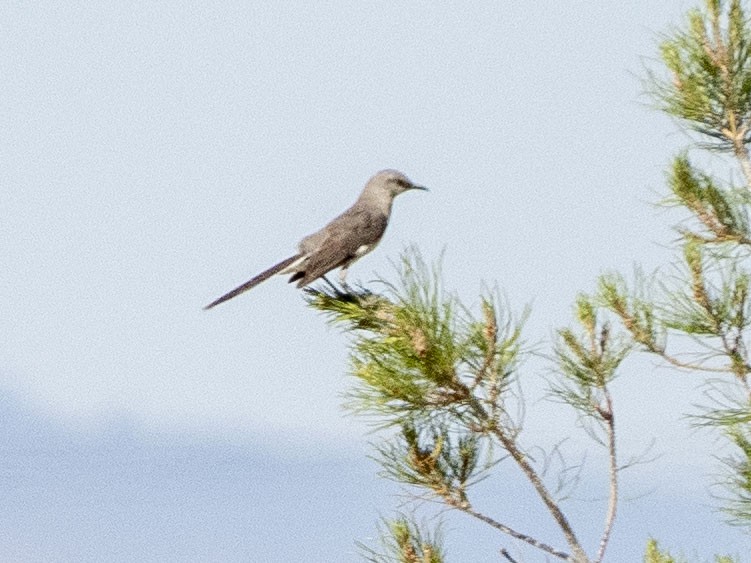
(295, 266)
(363, 250)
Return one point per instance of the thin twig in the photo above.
(467, 508)
(685, 365)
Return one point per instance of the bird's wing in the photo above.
(345, 236)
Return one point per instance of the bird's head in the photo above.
(393, 182)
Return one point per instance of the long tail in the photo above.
(250, 284)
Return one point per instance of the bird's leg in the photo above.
(343, 279)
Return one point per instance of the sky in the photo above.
(156, 155)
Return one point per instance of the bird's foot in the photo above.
(331, 285)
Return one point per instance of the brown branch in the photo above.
(609, 419)
(684, 365)
(518, 456)
(466, 507)
(491, 426)
(737, 129)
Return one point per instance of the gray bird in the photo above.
(344, 240)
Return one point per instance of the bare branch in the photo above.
(609, 419)
(547, 498)
(466, 507)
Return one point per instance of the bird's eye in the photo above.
(403, 183)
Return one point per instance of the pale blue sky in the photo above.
(156, 155)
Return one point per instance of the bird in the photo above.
(343, 241)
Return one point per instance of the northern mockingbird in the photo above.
(344, 240)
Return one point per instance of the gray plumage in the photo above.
(344, 240)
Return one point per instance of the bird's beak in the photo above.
(423, 188)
